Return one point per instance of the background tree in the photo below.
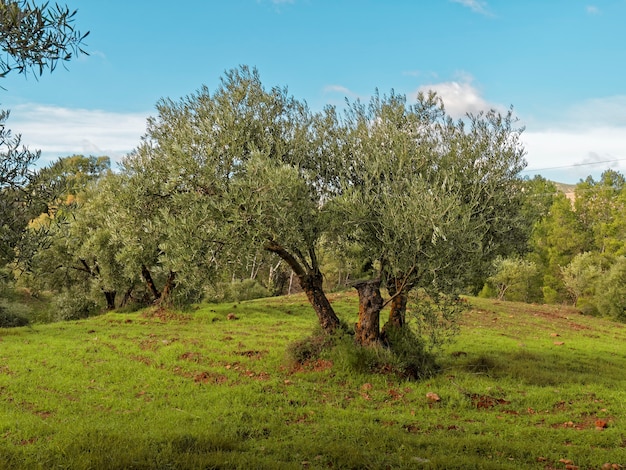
(581, 275)
(15, 161)
(33, 38)
(598, 206)
(611, 301)
(556, 239)
(64, 248)
(514, 279)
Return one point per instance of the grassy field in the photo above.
(535, 387)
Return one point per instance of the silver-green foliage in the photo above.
(513, 278)
(611, 288)
(432, 199)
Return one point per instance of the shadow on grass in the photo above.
(99, 449)
(545, 368)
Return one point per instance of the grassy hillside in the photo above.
(523, 387)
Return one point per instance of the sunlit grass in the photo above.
(523, 387)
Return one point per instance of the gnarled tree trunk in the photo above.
(110, 298)
(370, 304)
(311, 281)
(312, 286)
(145, 272)
(399, 298)
(170, 283)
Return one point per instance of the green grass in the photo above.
(198, 390)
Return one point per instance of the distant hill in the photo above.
(568, 189)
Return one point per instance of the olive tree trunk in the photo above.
(311, 281)
(367, 330)
(399, 298)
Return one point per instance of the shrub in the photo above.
(435, 319)
(312, 347)
(611, 300)
(581, 274)
(11, 319)
(70, 305)
(514, 279)
(411, 356)
(237, 291)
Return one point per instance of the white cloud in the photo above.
(459, 97)
(581, 140)
(567, 156)
(60, 132)
(343, 93)
(342, 90)
(607, 111)
(476, 6)
(593, 10)
(588, 138)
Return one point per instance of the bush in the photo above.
(411, 356)
(514, 279)
(581, 274)
(237, 291)
(611, 298)
(435, 319)
(10, 319)
(71, 305)
(311, 347)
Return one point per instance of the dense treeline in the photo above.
(576, 249)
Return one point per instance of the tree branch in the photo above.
(278, 249)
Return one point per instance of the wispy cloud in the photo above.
(341, 90)
(476, 6)
(277, 5)
(60, 132)
(592, 10)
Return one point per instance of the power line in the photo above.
(573, 165)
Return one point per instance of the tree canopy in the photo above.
(427, 199)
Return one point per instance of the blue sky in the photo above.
(559, 63)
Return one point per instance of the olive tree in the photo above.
(67, 245)
(219, 175)
(431, 200)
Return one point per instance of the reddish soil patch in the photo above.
(209, 377)
(191, 356)
(252, 354)
(485, 401)
(164, 315)
(143, 359)
(587, 422)
(317, 365)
